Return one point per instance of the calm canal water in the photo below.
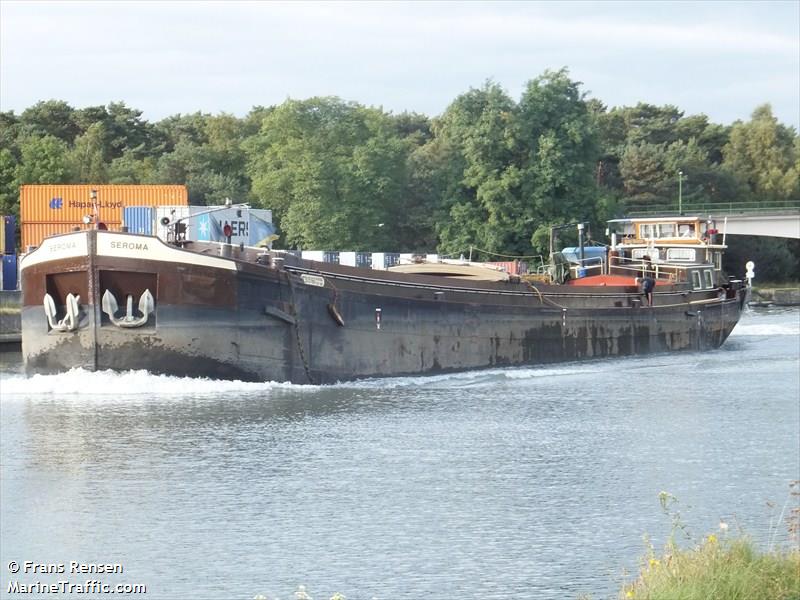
(514, 483)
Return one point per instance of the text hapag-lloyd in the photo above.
(85, 204)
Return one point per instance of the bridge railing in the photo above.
(635, 209)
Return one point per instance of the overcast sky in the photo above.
(718, 58)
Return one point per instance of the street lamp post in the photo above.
(680, 193)
(93, 198)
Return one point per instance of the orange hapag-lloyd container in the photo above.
(60, 208)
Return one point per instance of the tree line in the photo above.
(491, 172)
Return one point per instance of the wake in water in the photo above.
(769, 322)
(129, 383)
(144, 384)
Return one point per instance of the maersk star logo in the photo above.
(203, 229)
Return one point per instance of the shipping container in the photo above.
(8, 234)
(211, 226)
(347, 259)
(364, 260)
(167, 215)
(384, 260)
(9, 272)
(512, 267)
(331, 257)
(71, 203)
(251, 227)
(34, 233)
(317, 255)
(139, 219)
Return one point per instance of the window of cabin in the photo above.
(681, 254)
(708, 278)
(666, 230)
(640, 253)
(696, 285)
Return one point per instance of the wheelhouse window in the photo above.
(656, 230)
(666, 230)
(696, 284)
(708, 278)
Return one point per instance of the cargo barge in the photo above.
(111, 300)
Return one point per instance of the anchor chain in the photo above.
(296, 316)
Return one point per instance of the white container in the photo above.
(347, 258)
(316, 255)
(163, 229)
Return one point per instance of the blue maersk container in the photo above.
(139, 219)
(9, 229)
(9, 272)
(592, 254)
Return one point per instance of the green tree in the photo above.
(516, 169)
(131, 170)
(50, 118)
(9, 191)
(560, 152)
(763, 155)
(477, 131)
(87, 158)
(43, 160)
(333, 172)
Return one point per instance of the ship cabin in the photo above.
(674, 250)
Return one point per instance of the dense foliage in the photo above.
(490, 172)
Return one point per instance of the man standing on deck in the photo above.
(648, 279)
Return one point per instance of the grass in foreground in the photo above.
(718, 569)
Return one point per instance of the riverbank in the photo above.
(775, 296)
(10, 317)
(718, 568)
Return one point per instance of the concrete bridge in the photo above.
(774, 219)
(784, 224)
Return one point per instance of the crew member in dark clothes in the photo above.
(648, 279)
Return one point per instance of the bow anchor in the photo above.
(129, 319)
(70, 320)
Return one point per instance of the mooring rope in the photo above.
(542, 298)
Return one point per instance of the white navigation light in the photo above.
(750, 266)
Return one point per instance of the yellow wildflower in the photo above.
(712, 539)
(653, 563)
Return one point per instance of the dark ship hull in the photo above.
(121, 301)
